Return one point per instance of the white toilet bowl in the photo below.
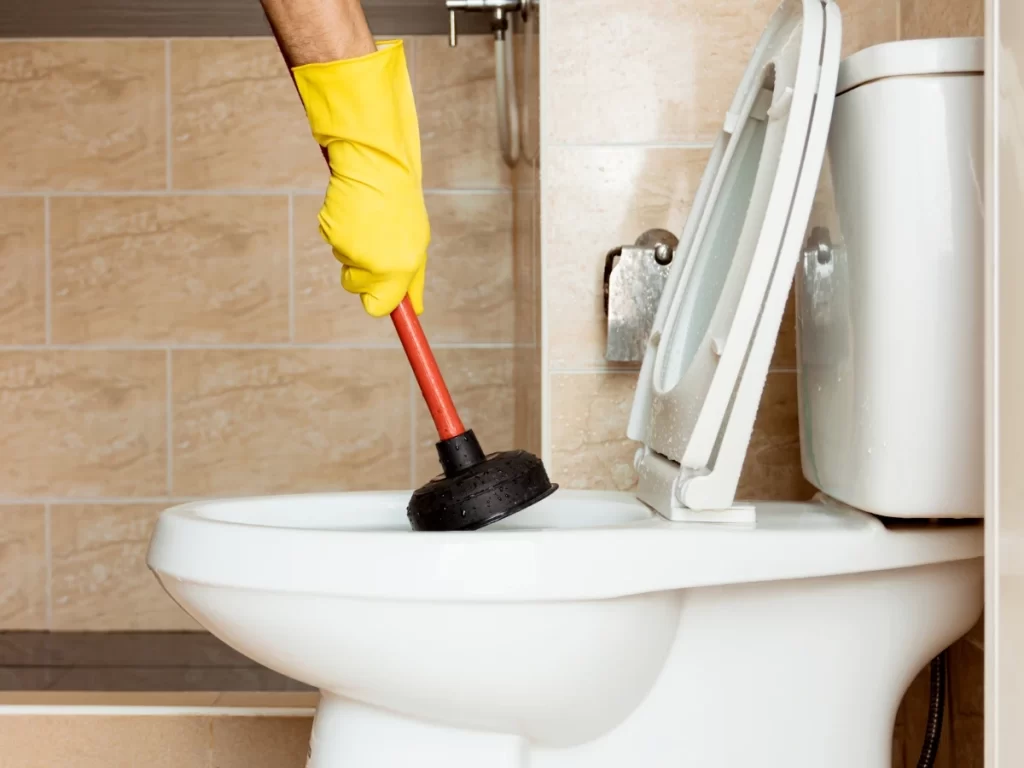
(586, 631)
(676, 626)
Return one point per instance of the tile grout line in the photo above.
(609, 371)
(231, 192)
(169, 416)
(167, 113)
(48, 557)
(105, 39)
(354, 346)
(694, 145)
(291, 269)
(593, 371)
(48, 282)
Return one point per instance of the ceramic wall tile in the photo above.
(595, 199)
(528, 384)
(83, 423)
(470, 293)
(784, 357)
(247, 742)
(1009, 631)
(291, 699)
(601, 197)
(899, 748)
(588, 430)
(601, 86)
(525, 268)
(942, 18)
(1005, 448)
(22, 270)
(663, 71)
(190, 269)
(526, 245)
(869, 22)
(22, 567)
(100, 581)
(88, 115)
(103, 741)
(967, 670)
(772, 469)
(99, 741)
(589, 414)
(483, 387)
(455, 97)
(271, 421)
(324, 311)
(969, 742)
(236, 119)
(531, 68)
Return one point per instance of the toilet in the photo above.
(675, 625)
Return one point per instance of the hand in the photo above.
(361, 111)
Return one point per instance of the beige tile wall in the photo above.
(527, 241)
(942, 18)
(171, 324)
(86, 741)
(624, 145)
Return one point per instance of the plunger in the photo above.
(474, 490)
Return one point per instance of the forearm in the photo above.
(311, 31)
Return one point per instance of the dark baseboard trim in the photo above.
(205, 18)
(130, 661)
(117, 649)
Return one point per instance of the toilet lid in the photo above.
(714, 333)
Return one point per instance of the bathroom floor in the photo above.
(130, 661)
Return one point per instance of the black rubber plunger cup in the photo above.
(475, 489)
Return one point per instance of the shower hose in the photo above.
(936, 702)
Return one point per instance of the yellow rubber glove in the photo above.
(374, 217)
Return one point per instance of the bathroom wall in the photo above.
(626, 131)
(171, 325)
(624, 146)
(941, 18)
(175, 741)
(632, 100)
(1004, 678)
(526, 238)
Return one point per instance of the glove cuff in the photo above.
(361, 100)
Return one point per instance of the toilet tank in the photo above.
(889, 289)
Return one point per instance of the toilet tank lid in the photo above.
(905, 58)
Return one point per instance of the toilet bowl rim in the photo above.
(610, 561)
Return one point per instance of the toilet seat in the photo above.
(565, 548)
(712, 339)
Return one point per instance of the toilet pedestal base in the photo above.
(347, 734)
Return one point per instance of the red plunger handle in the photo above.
(424, 367)
(428, 375)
